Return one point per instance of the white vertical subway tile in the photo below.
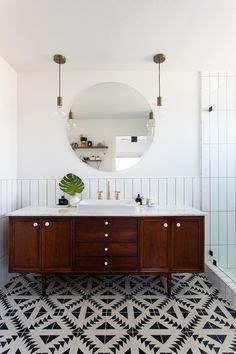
(129, 192)
(214, 160)
(34, 193)
(231, 193)
(214, 194)
(222, 194)
(14, 195)
(85, 193)
(223, 227)
(25, 193)
(171, 201)
(154, 190)
(215, 228)
(206, 194)
(51, 193)
(9, 195)
(188, 191)
(207, 229)
(222, 160)
(94, 187)
(4, 197)
(231, 127)
(222, 103)
(196, 193)
(205, 127)
(163, 191)
(223, 256)
(231, 93)
(205, 160)
(231, 158)
(231, 223)
(43, 192)
(145, 185)
(19, 194)
(231, 256)
(180, 191)
(214, 127)
(222, 119)
(214, 92)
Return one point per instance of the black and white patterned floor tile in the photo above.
(115, 314)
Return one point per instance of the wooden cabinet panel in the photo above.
(106, 249)
(24, 245)
(187, 244)
(154, 245)
(57, 244)
(106, 264)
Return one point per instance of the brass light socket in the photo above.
(159, 101)
(59, 101)
(151, 115)
(71, 115)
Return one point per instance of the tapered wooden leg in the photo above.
(169, 284)
(43, 283)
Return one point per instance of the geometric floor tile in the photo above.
(115, 315)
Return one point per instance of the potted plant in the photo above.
(72, 185)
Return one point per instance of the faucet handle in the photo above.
(117, 195)
(99, 195)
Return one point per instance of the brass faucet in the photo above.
(108, 190)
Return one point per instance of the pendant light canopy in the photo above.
(59, 59)
(159, 59)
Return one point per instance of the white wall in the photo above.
(8, 121)
(8, 156)
(43, 148)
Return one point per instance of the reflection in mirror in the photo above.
(110, 126)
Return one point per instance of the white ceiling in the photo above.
(119, 34)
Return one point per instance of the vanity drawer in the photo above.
(106, 229)
(106, 249)
(94, 264)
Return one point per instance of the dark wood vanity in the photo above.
(106, 245)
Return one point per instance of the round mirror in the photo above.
(110, 126)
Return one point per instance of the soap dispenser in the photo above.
(138, 200)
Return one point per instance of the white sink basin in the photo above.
(107, 206)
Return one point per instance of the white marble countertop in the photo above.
(142, 212)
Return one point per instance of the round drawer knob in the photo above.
(105, 263)
(165, 225)
(178, 224)
(106, 222)
(106, 235)
(105, 249)
(35, 224)
(46, 224)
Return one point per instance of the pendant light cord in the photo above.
(159, 78)
(59, 77)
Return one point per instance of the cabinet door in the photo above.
(24, 245)
(187, 244)
(154, 244)
(56, 244)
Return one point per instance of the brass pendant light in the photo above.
(159, 59)
(59, 59)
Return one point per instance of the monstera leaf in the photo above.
(71, 184)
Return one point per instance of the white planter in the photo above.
(74, 200)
